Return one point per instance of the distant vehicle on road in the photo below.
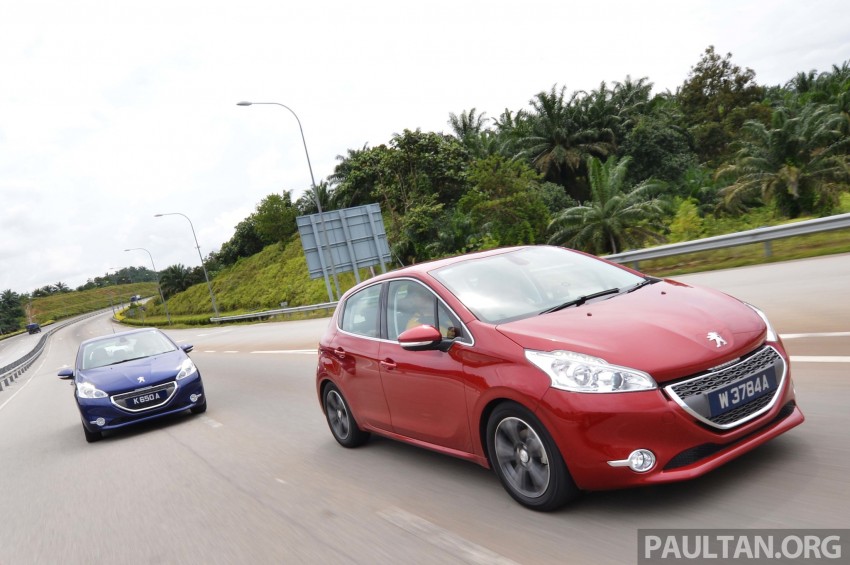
(135, 298)
(133, 376)
(34, 328)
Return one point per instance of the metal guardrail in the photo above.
(12, 371)
(285, 311)
(758, 235)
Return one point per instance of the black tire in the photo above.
(199, 408)
(526, 460)
(340, 419)
(92, 437)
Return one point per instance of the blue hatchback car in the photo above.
(133, 376)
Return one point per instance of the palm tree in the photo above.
(61, 287)
(800, 162)
(468, 123)
(616, 216)
(174, 279)
(561, 138)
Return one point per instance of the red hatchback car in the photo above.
(561, 371)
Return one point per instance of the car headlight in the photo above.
(582, 373)
(771, 333)
(186, 368)
(88, 390)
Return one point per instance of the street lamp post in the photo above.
(198, 246)
(156, 274)
(111, 303)
(315, 197)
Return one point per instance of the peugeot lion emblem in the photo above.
(142, 379)
(716, 338)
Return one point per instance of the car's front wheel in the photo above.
(526, 459)
(340, 420)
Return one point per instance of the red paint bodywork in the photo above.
(441, 400)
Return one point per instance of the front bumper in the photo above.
(593, 429)
(93, 409)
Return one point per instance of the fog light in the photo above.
(641, 460)
(194, 397)
(99, 422)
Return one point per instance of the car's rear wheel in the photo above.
(340, 419)
(92, 437)
(199, 408)
(526, 459)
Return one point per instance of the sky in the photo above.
(114, 111)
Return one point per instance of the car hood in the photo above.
(125, 376)
(662, 329)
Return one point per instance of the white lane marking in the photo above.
(820, 359)
(209, 351)
(281, 481)
(822, 334)
(231, 351)
(296, 351)
(450, 542)
(210, 422)
(28, 381)
(16, 393)
(214, 333)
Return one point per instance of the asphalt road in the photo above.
(259, 479)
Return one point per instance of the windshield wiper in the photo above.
(581, 300)
(643, 283)
(126, 360)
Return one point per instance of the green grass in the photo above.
(800, 247)
(254, 284)
(64, 305)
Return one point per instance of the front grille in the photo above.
(125, 401)
(695, 394)
(716, 379)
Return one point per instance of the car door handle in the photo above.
(339, 352)
(388, 364)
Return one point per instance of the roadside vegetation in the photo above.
(603, 171)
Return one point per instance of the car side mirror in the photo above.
(66, 374)
(187, 348)
(420, 338)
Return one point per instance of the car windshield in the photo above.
(530, 281)
(121, 348)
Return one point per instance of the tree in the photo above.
(560, 140)
(800, 162)
(505, 204)
(716, 99)
(467, 124)
(274, 219)
(11, 311)
(355, 176)
(659, 149)
(616, 216)
(61, 287)
(306, 204)
(174, 279)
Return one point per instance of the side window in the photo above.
(360, 314)
(449, 325)
(410, 304)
